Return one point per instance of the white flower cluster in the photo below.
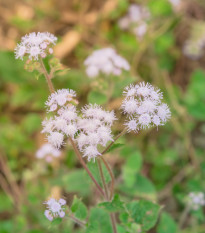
(95, 129)
(35, 45)
(91, 130)
(64, 121)
(136, 20)
(194, 49)
(194, 46)
(106, 61)
(196, 200)
(55, 208)
(48, 152)
(143, 106)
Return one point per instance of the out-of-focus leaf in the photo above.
(78, 208)
(95, 97)
(131, 168)
(166, 224)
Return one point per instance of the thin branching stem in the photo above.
(85, 166)
(47, 76)
(77, 221)
(116, 138)
(112, 215)
(112, 177)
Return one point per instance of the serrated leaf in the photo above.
(115, 205)
(144, 212)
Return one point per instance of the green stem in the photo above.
(112, 177)
(76, 220)
(85, 166)
(112, 215)
(47, 76)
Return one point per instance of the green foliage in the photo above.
(144, 213)
(95, 97)
(115, 205)
(195, 95)
(78, 208)
(99, 221)
(166, 224)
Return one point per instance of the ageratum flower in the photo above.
(35, 45)
(63, 123)
(135, 20)
(55, 208)
(106, 61)
(47, 152)
(143, 107)
(196, 200)
(95, 130)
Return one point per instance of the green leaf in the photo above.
(115, 146)
(56, 221)
(144, 212)
(131, 168)
(95, 97)
(166, 224)
(160, 7)
(93, 167)
(195, 95)
(115, 205)
(78, 208)
(75, 181)
(99, 221)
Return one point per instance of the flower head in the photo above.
(55, 208)
(135, 20)
(48, 152)
(63, 123)
(106, 61)
(35, 45)
(95, 129)
(196, 200)
(143, 106)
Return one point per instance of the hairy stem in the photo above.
(47, 76)
(118, 136)
(85, 166)
(76, 220)
(112, 215)
(103, 179)
(111, 175)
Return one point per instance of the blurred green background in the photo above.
(163, 164)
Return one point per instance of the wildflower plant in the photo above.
(88, 130)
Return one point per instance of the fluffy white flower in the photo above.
(56, 139)
(106, 61)
(143, 106)
(196, 200)
(63, 123)
(135, 20)
(60, 98)
(35, 45)
(95, 129)
(55, 208)
(91, 152)
(47, 152)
